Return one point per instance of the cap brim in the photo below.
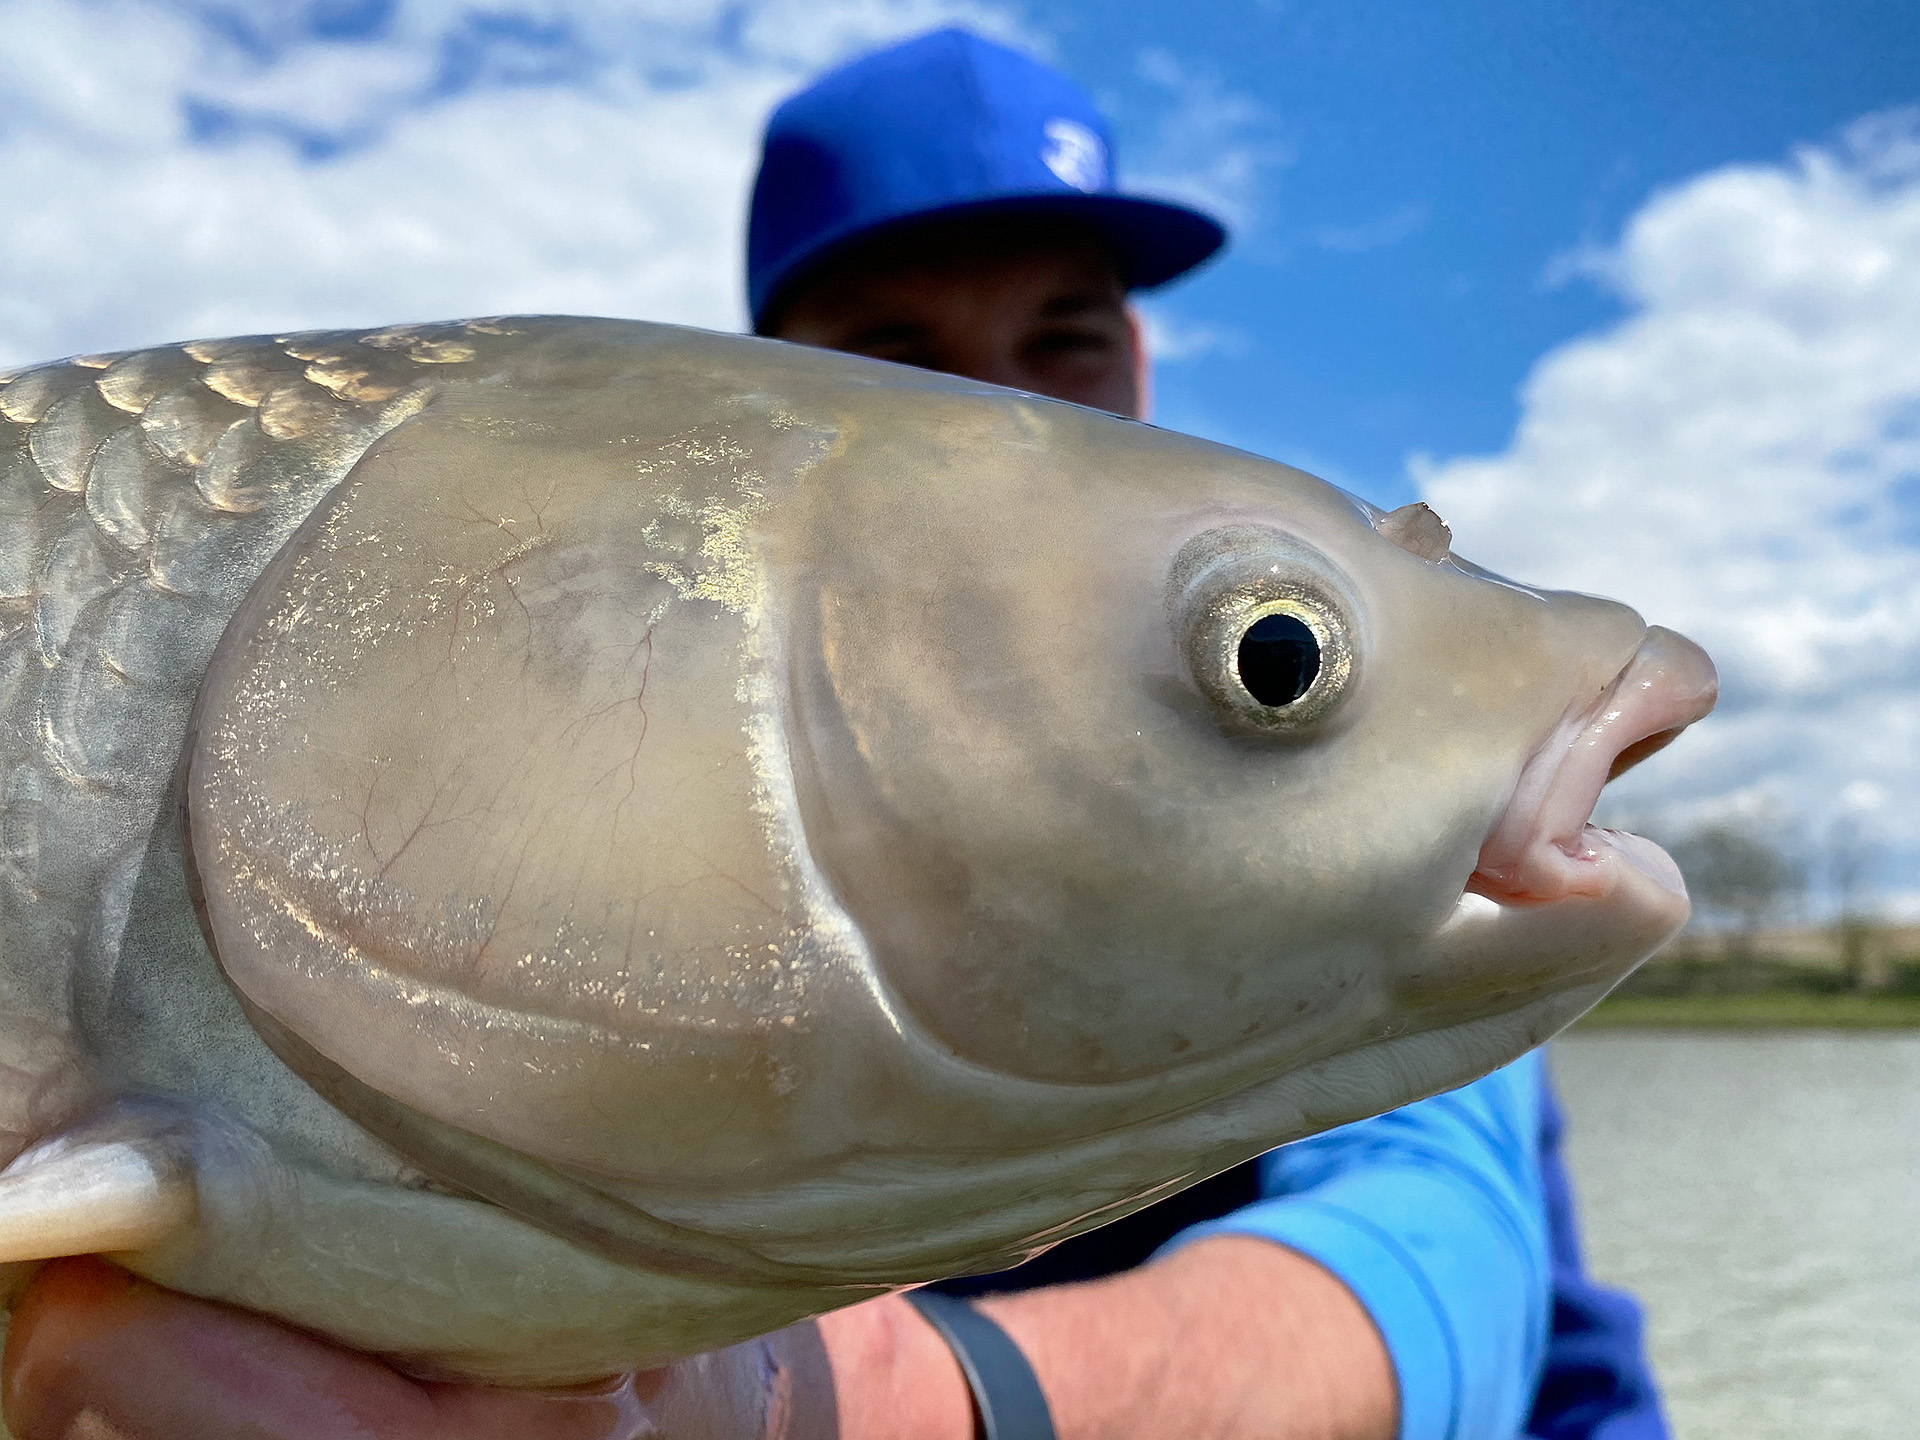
(1154, 241)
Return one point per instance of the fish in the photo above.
(537, 845)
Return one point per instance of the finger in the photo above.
(96, 1354)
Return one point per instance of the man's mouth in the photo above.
(1545, 847)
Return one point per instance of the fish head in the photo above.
(1130, 753)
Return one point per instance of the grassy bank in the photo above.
(1767, 1010)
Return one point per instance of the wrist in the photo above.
(1228, 1338)
(1008, 1403)
(894, 1378)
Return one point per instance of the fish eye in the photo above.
(1265, 626)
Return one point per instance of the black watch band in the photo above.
(1007, 1401)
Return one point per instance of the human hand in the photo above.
(95, 1353)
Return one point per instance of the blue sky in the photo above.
(1433, 167)
(1630, 292)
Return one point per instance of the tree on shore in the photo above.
(1851, 856)
(1738, 875)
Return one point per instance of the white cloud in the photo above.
(1740, 459)
(1213, 147)
(1376, 234)
(1174, 340)
(569, 155)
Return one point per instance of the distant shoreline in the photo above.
(1854, 976)
(1767, 1010)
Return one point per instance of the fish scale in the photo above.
(108, 529)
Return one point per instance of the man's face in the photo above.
(1045, 313)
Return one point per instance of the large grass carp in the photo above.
(538, 845)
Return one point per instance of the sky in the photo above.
(1630, 292)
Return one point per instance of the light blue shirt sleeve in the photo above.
(1435, 1217)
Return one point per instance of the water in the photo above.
(1761, 1194)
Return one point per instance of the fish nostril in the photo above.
(1418, 531)
(1278, 659)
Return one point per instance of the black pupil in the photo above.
(1278, 659)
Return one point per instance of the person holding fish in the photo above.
(950, 204)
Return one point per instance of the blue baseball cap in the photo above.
(948, 124)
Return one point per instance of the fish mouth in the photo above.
(1545, 847)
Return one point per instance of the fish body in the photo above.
(536, 845)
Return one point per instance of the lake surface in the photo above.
(1761, 1194)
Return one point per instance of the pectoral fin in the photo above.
(88, 1197)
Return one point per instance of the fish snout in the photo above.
(1544, 848)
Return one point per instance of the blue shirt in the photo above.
(1452, 1221)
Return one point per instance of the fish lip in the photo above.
(1544, 847)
